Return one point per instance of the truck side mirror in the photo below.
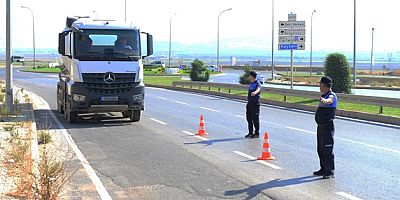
(61, 43)
(149, 45)
(146, 44)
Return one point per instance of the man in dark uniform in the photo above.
(324, 117)
(253, 106)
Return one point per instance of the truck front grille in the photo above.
(95, 82)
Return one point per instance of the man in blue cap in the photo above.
(253, 106)
(324, 117)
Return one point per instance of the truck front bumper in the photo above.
(83, 100)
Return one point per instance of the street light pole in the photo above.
(33, 34)
(372, 52)
(273, 40)
(311, 41)
(9, 70)
(354, 46)
(218, 35)
(170, 40)
(125, 10)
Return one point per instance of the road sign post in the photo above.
(292, 37)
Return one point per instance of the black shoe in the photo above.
(328, 176)
(249, 135)
(255, 136)
(319, 173)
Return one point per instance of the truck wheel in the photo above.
(135, 115)
(60, 108)
(71, 116)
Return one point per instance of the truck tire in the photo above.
(134, 115)
(60, 108)
(70, 116)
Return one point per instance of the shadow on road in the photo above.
(45, 121)
(211, 142)
(254, 190)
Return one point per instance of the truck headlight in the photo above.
(138, 97)
(78, 97)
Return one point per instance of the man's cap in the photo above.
(326, 80)
(253, 74)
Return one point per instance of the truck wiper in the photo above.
(131, 57)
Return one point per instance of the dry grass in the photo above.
(53, 172)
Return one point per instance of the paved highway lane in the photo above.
(157, 156)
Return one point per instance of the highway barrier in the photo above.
(381, 102)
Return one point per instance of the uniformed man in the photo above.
(324, 117)
(253, 106)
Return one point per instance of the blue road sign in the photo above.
(288, 47)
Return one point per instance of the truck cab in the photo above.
(102, 68)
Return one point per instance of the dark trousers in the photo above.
(325, 133)
(253, 117)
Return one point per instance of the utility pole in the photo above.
(273, 40)
(354, 47)
(33, 35)
(372, 52)
(218, 35)
(9, 75)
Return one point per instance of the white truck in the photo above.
(102, 68)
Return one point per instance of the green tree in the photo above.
(199, 72)
(337, 67)
(244, 79)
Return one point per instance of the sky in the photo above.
(196, 21)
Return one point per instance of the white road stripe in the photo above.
(196, 136)
(210, 109)
(369, 145)
(259, 161)
(301, 130)
(240, 116)
(162, 98)
(104, 195)
(158, 121)
(182, 103)
(348, 196)
(351, 141)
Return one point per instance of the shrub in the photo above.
(199, 72)
(337, 67)
(244, 79)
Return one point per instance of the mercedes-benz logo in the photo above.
(109, 77)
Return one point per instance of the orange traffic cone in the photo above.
(202, 127)
(266, 153)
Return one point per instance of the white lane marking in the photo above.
(162, 98)
(89, 170)
(351, 141)
(259, 161)
(158, 121)
(301, 130)
(240, 116)
(210, 109)
(182, 103)
(188, 133)
(196, 136)
(369, 145)
(348, 196)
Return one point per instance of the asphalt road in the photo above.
(157, 159)
(232, 76)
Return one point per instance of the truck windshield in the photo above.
(109, 45)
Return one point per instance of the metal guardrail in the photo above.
(377, 101)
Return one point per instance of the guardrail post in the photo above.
(284, 98)
(219, 89)
(209, 88)
(380, 109)
(229, 90)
